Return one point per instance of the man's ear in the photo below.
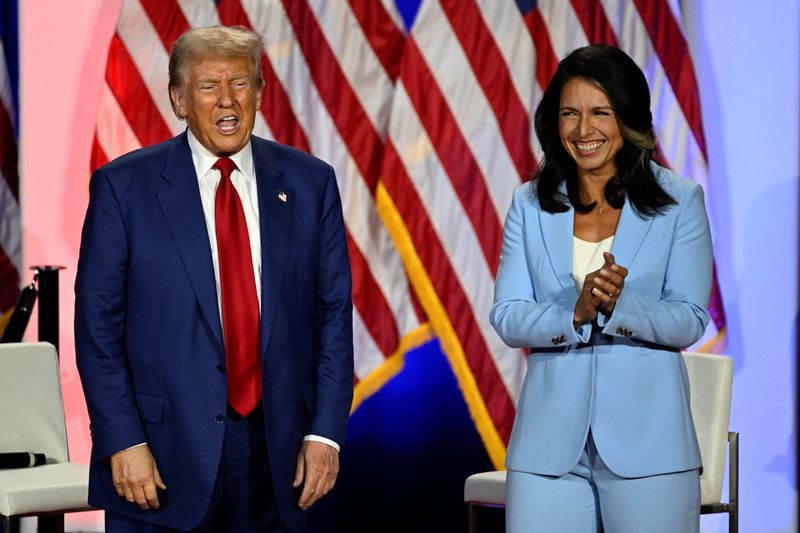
(177, 102)
(259, 96)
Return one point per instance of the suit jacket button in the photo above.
(554, 340)
(221, 367)
(619, 331)
(219, 419)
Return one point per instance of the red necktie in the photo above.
(240, 320)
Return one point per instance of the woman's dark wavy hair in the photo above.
(624, 83)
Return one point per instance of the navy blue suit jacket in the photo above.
(147, 328)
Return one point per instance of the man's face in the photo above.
(219, 99)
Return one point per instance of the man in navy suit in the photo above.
(213, 315)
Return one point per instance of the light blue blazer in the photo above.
(623, 377)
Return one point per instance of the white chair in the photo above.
(32, 419)
(710, 382)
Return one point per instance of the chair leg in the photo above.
(472, 518)
(733, 482)
(53, 523)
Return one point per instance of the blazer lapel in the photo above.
(276, 203)
(557, 229)
(630, 233)
(183, 211)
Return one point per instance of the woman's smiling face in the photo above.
(588, 128)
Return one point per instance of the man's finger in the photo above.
(151, 495)
(160, 484)
(307, 497)
(299, 472)
(140, 498)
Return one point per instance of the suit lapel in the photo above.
(630, 233)
(557, 229)
(276, 201)
(183, 210)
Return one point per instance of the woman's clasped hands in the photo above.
(601, 290)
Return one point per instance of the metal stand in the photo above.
(47, 283)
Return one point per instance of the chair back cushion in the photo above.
(31, 408)
(710, 379)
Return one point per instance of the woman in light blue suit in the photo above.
(605, 274)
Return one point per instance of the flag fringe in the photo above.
(440, 322)
(376, 379)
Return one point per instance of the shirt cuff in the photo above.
(317, 438)
(131, 447)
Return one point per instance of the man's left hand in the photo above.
(317, 468)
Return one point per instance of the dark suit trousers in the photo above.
(243, 499)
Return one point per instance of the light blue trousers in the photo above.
(591, 495)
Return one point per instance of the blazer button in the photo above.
(619, 331)
(221, 367)
(219, 419)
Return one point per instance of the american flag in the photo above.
(429, 130)
(10, 221)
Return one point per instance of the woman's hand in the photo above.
(587, 305)
(608, 283)
(601, 290)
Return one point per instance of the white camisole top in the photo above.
(587, 257)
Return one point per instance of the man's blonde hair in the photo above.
(214, 42)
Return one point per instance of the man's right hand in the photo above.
(136, 476)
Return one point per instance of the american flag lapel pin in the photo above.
(282, 196)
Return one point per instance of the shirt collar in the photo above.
(203, 159)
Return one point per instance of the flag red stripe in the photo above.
(383, 35)
(99, 157)
(9, 282)
(546, 58)
(453, 151)
(447, 287)
(344, 107)
(8, 152)
(494, 78)
(134, 99)
(369, 300)
(275, 105)
(168, 20)
(595, 22)
(673, 52)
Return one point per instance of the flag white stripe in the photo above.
(357, 59)
(360, 213)
(391, 8)
(199, 14)
(563, 26)
(148, 54)
(5, 87)
(10, 225)
(369, 356)
(452, 225)
(114, 134)
(516, 46)
(470, 108)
